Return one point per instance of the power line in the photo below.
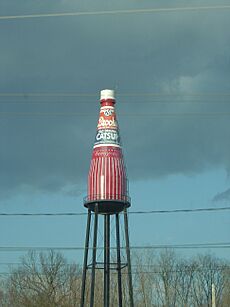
(10, 264)
(185, 210)
(214, 245)
(155, 266)
(118, 12)
(63, 114)
(156, 101)
(134, 272)
(181, 210)
(179, 94)
(21, 263)
(162, 98)
(170, 271)
(44, 214)
(26, 95)
(184, 246)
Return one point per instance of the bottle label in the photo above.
(107, 128)
(107, 137)
(107, 118)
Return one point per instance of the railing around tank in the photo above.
(107, 197)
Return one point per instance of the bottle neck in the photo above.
(108, 102)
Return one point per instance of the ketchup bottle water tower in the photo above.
(107, 197)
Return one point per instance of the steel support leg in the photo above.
(105, 242)
(107, 261)
(85, 263)
(119, 284)
(128, 259)
(94, 257)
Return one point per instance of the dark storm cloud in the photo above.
(167, 53)
(223, 196)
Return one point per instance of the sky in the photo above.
(171, 73)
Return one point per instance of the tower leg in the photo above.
(119, 284)
(94, 257)
(107, 260)
(130, 283)
(85, 263)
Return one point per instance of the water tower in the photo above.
(107, 197)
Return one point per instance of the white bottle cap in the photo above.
(107, 94)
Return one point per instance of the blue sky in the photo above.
(154, 229)
(171, 72)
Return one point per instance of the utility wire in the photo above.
(76, 98)
(63, 114)
(156, 101)
(130, 212)
(220, 245)
(113, 273)
(181, 210)
(134, 272)
(172, 271)
(26, 95)
(154, 266)
(211, 209)
(119, 12)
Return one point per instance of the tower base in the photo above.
(99, 209)
(107, 206)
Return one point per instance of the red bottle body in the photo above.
(107, 179)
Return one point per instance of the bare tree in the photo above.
(44, 280)
(186, 272)
(159, 280)
(144, 264)
(163, 281)
(168, 277)
(226, 290)
(209, 271)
